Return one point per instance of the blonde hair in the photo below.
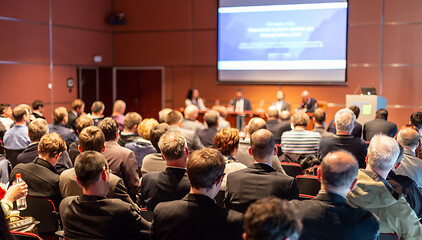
(144, 128)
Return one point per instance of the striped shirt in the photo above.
(300, 142)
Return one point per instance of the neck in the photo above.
(268, 160)
(300, 128)
(318, 124)
(211, 193)
(116, 114)
(343, 133)
(20, 123)
(180, 163)
(339, 191)
(95, 190)
(125, 130)
(52, 161)
(383, 174)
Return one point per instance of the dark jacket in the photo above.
(379, 125)
(277, 128)
(357, 129)
(207, 136)
(141, 148)
(356, 146)
(68, 135)
(127, 138)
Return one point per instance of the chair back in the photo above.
(25, 236)
(292, 169)
(219, 198)
(388, 236)
(12, 156)
(308, 185)
(145, 214)
(44, 211)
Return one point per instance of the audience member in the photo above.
(375, 194)
(299, 140)
(92, 215)
(190, 122)
(197, 215)
(206, 135)
(259, 180)
(172, 183)
(97, 110)
(154, 162)
(174, 120)
(416, 120)
(119, 109)
(13, 193)
(308, 104)
(328, 216)
(243, 154)
(319, 122)
(143, 145)
(357, 128)
(227, 142)
(6, 115)
(121, 160)
(16, 139)
(193, 99)
(269, 219)
(130, 129)
(222, 122)
(40, 175)
(379, 125)
(38, 109)
(410, 166)
(344, 121)
(274, 125)
(92, 139)
(162, 114)
(240, 104)
(80, 123)
(59, 126)
(78, 108)
(280, 104)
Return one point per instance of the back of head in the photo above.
(285, 115)
(205, 167)
(338, 170)
(36, 129)
(88, 166)
(319, 116)
(144, 128)
(156, 133)
(77, 103)
(19, 112)
(174, 117)
(51, 144)
(3, 107)
(381, 114)
(91, 138)
(59, 114)
(300, 119)
(109, 127)
(132, 119)
(82, 122)
(345, 120)
(355, 109)
(162, 114)
(119, 107)
(191, 112)
(408, 138)
(262, 144)
(37, 104)
(255, 124)
(416, 119)
(272, 112)
(271, 218)
(211, 118)
(97, 107)
(172, 145)
(382, 153)
(221, 110)
(226, 140)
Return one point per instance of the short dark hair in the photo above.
(3, 107)
(271, 218)
(174, 117)
(319, 115)
(333, 178)
(262, 144)
(88, 166)
(211, 118)
(97, 106)
(382, 114)
(91, 138)
(205, 167)
(37, 104)
(51, 144)
(156, 133)
(226, 140)
(19, 112)
(82, 122)
(416, 119)
(109, 127)
(172, 145)
(355, 109)
(77, 103)
(36, 129)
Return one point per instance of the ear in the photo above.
(353, 184)
(275, 151)
(250, 151)
(319, 174)
(220, 180)
(335, 124)
(103, 149)
(103, 175)
(162, 156)
(78, 180)
(397, 165)
(244, 236)
(58, 155)
(186, 150)
(79, 148)
(366, 159)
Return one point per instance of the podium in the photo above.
(368, 105)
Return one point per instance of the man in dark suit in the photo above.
(207, 135)
(308, 104)
(121, 160)
(40, 175)
(379, 125)
(357, 128)
(60, 119)
(274, 125)
(197, 216)
(328, 216)
(80, 123)
(172, 183)
(343, 140)
(319, 120)
(174, 120)
(78, 108)
(240, 104)
(92, 215)
(259, 180)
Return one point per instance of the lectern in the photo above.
(368, 105)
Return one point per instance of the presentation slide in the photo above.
(284, 42)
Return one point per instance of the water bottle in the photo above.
(21, 202)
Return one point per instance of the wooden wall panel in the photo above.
(400, 85)
(204, 14)
(205, 48)
(62, 96)
(365, 12)
(30, 10)
(402, 44)
(364, 44)
(403, 11)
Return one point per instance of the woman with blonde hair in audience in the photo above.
(143, 145)
(227, 142)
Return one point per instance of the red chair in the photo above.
(308, 185)
(25, 236)
(291, 169)
(388, 236)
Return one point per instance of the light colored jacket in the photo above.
(395, 215)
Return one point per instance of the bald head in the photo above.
(119, 107)
(255, 124)
(305, 96)
(272, 112)
(262, 145)
(408, 138)
(285, 115)
(191, 112)
(339, 169)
